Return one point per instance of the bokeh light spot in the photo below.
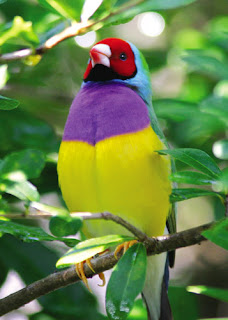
(86, 40)
(151, 24)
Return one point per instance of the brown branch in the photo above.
(109, 216)
(72, 31)
(75, 29)
(100, 264)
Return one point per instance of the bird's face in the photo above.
(111, 59)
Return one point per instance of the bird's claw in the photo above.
(79, 267)
(124, 246)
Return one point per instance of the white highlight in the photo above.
(86, 40)
(220, 149)
(151, 24)
(217, 150)
(90, 6)
(16, 176)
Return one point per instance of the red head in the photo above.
(110, 59)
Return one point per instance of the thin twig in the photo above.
(75, 29)
(85, 216)
(109, 216)
(100, 264)
(72, 31)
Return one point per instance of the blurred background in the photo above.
(186, 50)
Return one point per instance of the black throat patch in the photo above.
(102, 73)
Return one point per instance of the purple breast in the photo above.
(101, 111)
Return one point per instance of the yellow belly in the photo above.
(123, 175)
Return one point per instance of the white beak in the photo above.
(100, 54)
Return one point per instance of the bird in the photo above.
(108, 159)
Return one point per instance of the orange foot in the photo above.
(124, 246)
(79, 267)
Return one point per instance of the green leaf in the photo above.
(199, 129)
(70, 9)
(21, 130)
(138, 311)
(218, 234)
(222, 183)
(180, 301)
(220, 149)
(119, 15)
(175, 110)
(195, 158)
(61, 226)
(126, 282)
(218, 30)
(207, 64)
(22, 31)
(23, 165)
(157, 4)
(217, 293)
(191, 177)
(88, 248)
(216, 106)
(27, 233)
(7, 103)
(23, 190)
(188, 193)
(104, 9)
(4, 207)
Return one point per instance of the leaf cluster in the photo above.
(36, 91)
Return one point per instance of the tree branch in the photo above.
(75, 29)
(99, 264)
(72, 31)
(109, 216)
(85, 216)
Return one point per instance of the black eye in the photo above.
(123, 56)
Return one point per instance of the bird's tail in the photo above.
(155, 291)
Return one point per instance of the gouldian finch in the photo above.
(108, 159)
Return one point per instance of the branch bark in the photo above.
(75, 29)
(85, 216)
(100, 264)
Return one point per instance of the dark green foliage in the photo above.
(188, 193)
(218, 234)
(20, 130)
(184, 304)
(195, 122)
(28, 233)
(7, 103)
(220, 294)
(35, 261)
